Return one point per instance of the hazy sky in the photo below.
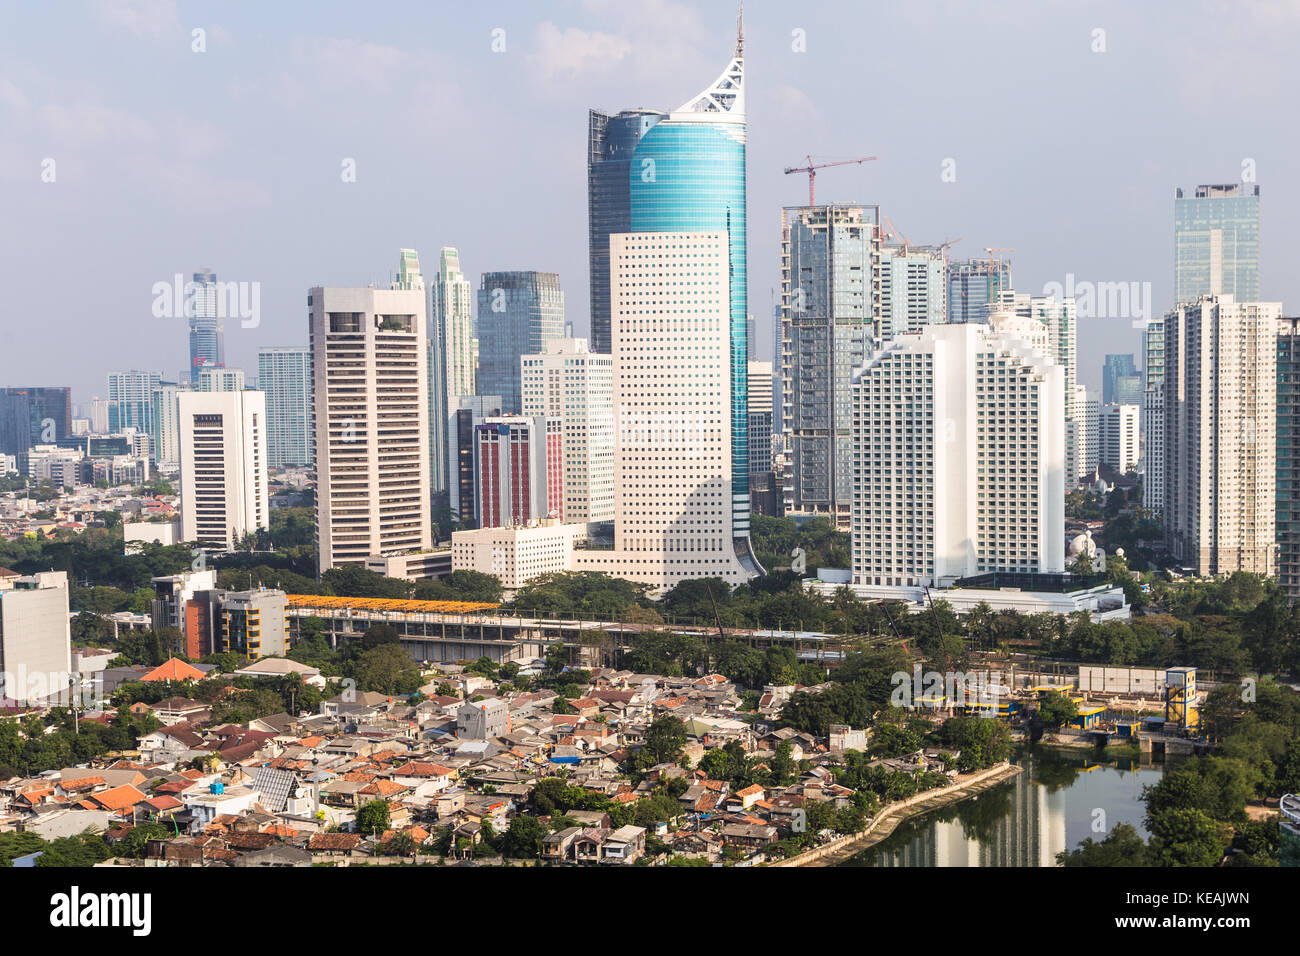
(168, 161)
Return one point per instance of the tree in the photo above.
(402, 844)
(387, 669)
(665, 738)
(1057, 709)
(523, 839)
(1123, 846)
(377, 634)
(373, 818)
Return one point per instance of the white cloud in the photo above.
(144, 18)
(572, 51)
(11, 95)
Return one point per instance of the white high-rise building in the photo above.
(284, 374)
(959, 440)
(575, 385)
(370, 422)
(1117, 431)
(913, 289)
(166, 435)
(1220, 401)
(218, 378)
(453, 359)
(670, 328)
(1088, 408)
(762, 452)
(223, 466)
(35, 637)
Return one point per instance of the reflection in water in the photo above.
(1025, 821)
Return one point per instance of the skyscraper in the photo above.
(684, 171)
(958, 432)
(218, 378)
(1220, 385)
(223, 466)
(519, 461)
(166, 435)
(207, 337)
(1153, 416)
(453, 358)
(1216, 242)
(1288, 456)
(974, 284)
(672, 394)
(828, 313)
(760, 417)
(33, 416)
(463, 487)
(130, 398)
(912, 289)
(1117, 432)
(1113, 369)
(370, 421)
(284, 375)
(576, 386)
(518, 313)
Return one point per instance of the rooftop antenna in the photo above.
(740, 32)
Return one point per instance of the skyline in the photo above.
(130, 152)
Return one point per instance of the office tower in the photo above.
(453, 357)
(130, 400)
(958, 431)
(218, 378)
(1113, 369)
(520, 466)
(672, 320)
(207, 337)
(463, 490)
(35, 637)
(370, 421)
(975, 284)
(1220, 447)
(178, 602)
(1288, 457)
(1117, 433)
(33, 416)
(223, 466)
(284, 375)
(759, 393)
(165, 418)
(577, 386)
(681, 171)
(912, 289)
(254, 624)
(518, 313)
(1216, 243)
(1153, 416)
(827, 314)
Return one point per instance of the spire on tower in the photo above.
(740, 32)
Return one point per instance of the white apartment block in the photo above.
(222, 466)
(1117, 431)
(670, 333)
(516, 555)
(959, 448)
(218, 378)
(1220, 390)
(166, 424)
(370, 421)
(575, 385)
(35, 638)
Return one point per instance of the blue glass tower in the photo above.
(680, 171)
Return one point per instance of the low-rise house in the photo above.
(748, 836)
(625, 844)
(557, 847)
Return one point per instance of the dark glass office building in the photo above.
(33, 416)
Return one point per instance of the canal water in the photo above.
(1061, 798)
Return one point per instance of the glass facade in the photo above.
(1288, 457)
(518, 312)
(972, 285)
(1216, 242)
(207, 340)
(284, 374)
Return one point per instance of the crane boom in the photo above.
(811, 170)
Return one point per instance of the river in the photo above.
(1062, 798)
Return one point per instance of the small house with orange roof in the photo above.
(174, 669)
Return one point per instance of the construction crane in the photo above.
(893, 233)
(811, 170)
(945, 245)
(991, 278)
